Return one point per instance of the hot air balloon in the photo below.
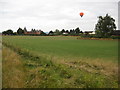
(81, 14)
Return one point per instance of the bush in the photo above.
(115, 37)
(88, 36)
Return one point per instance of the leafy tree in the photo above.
(72, 32)
(51, 33)
(32, 30)
(67, 31)
(43, 33)
(4, 33)
(25, 30)
(15, 33)
(105, 26)
(63, 30)
(57, 32)
(20, 31)
(81, 32)
(8, 32)
(77, 30)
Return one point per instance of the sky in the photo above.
(48, 15)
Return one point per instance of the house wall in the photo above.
(30, 32)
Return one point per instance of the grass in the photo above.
(67, 47)
(62, 68)
(13, 71)
(0, 62)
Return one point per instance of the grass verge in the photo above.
(41, 72)
(13, 70)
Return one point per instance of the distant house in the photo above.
(89, 32)
(65, 33)
(32, 32)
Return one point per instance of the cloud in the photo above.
(54, 14)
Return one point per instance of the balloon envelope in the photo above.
(81, 14)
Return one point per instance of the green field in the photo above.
(67, 46)
(78, 63)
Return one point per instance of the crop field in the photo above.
(59, 62)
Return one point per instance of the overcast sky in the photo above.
(54, 14)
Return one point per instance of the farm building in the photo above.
(65, 33)
(35, 32)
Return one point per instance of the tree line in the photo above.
(20, 31)
(103, 29)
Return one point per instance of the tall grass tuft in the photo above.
(42, 72)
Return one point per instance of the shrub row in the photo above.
(95, 36)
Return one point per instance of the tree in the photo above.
(71, 31)
(14, 33)
(77, 30)
(25, 30)
(81, 32)
(67, 31)
(57, 32)
(105, 26)
(63, 30)
(43, 33)
(8, 32)
(20, 31)
(51, 33)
